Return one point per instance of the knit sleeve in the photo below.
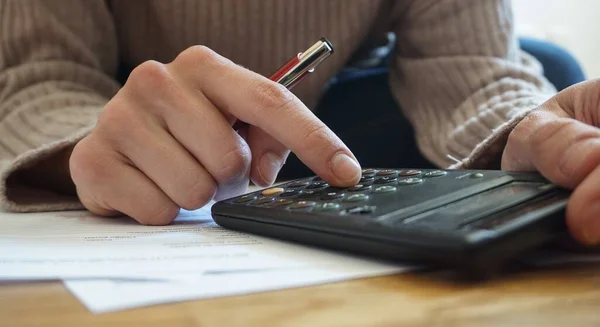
(462, 80)
(57, 58)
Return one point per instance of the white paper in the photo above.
(77, 245)
(108, 296)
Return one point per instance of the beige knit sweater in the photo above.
(457, 70)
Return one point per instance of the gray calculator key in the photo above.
(302, 205)
(385, 189)
(409, 172)
(263, 200)
(332, 196)
(327, 206)
(435, 173)
(357, 198)
(387, 172)
(410, 181)
(359, 188)
(369, 172)
(280, 203)
(359, 210)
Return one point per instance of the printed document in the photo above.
(103, 296)
(78, 245)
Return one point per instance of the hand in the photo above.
(561, 140)
(165, 141)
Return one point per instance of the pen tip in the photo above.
(329, 44)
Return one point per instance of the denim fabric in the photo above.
(359, 108)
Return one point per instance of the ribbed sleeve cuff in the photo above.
(488, 145)
(17, 196)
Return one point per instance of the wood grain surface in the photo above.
(561, 296)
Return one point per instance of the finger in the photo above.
(564, 150)
(268, 156)
(583, 210)
(194, 122)
(158, 155)
(107, 184)
(258, 101)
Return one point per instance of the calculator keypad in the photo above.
(314, 194)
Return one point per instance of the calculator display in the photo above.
(479, 204)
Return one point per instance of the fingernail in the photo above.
(591, 225)
(269, 167)
(345, 168)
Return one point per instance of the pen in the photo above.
(303, 64)
(300, 66)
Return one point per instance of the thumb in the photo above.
(268, 156)
(558, 139)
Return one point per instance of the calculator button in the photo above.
(359, 210)
(317, 179)
(387, 172)
(245, 198)
(476, 175)
(385, 189)
(356, 198)
(359, 188)
(386, 180)
(332, 196)
(410, 181)
(290, 193)
(263, 200)
(327, 206)
(546, 187)
(434, 173)
(368, 172)
(316, 185)
(297, 184)
(302, 205)
(309, 194)
(280, 203)
(273, 191)
(409, 172)
(366, 180)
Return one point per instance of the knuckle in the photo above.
(272, 96)
(118, 122)
(234, 165)
(114, 116)
(86, 167)
(150, 74)
(163, 215)
(199, 194)
(200, 55)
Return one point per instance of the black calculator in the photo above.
(474, 221)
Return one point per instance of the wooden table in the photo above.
(561, 296)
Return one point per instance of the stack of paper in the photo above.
(115, 263)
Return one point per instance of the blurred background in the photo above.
(571, 24)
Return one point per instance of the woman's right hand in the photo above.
(166, 141)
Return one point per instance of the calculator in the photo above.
(472, 221)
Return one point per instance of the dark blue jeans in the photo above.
(381, 136)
